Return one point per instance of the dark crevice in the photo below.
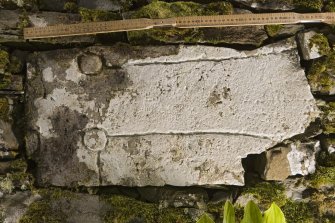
(254, 166)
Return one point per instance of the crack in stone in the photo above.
(99, 168)
(253, 135)
(240, 57)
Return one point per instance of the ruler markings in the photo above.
(177, 22)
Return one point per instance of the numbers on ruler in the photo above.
(121, 25)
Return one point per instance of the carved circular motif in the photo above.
(95, 139)
(90, 64)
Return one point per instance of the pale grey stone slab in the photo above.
(162, 116)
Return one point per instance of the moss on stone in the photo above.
(18, 174)
(328, 117)
(216, 208)
(29, 4)
(41, 212)
(4, 108)
(93, 15)
(308, 5)
(159, 9)
(6, 185)
(325, 159)
(320, 75)
(321, 42)
(124, 209)
(323, 177)
(330, 6)
(71, 7)
(299, 212)
(23, 21)
(46, 209)
(4, 60)
(273, 30)
(267, 192)
(15, 65)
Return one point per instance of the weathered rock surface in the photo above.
(8, 140)
(175, 197)
(13, 21)
(167, 115)
(13, 207)
(295, 159)
(313, 45)
(267, 5)
(106, 5)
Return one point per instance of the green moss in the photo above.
(71, 7)
(321, 42)
(4, 108)
(15, 65)
(6, 185)
(320, 75)
(23, 21)
(41, 212)
(47, 209)
(18, 174)
(92, 15)
(324, 176)
(325, 159)
(216, 208)
(328, 117)
(218, 8)
(330, 6)
(267, 193)
(29, 4)
(309, 5)
(299, 212)
(124, 209)
(273, 30)
(4, 60)
(159, 9)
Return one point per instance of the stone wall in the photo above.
(164, 125)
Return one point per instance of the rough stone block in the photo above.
(295, 159)
(161, 115)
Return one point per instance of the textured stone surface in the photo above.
(13, 207)
(267, 5)
(309, 50)
(107, 5)
(182, 119)
(13, 21)
(8, 140)
(295, 159)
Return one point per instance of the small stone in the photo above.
(329, 144)
(243, 199)
(313, 45)
(267, 5)
(174, 197)
(8, 140)
(221, 196)
(90, 64)
(294, 189)
(8, 155)
(295, 159)
(106, 5)
(283, 30)
(56, 5)
(15, 205)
